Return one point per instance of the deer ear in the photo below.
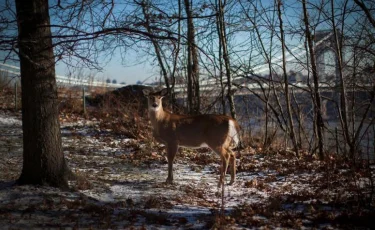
(164, 92)
(146, 92)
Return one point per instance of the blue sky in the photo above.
(129, 73)
(136, 66)
(131, 70)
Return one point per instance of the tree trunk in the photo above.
(343, 109)
(192, 65)
(43, 159)
(221, 72)
(224, 46)
(286, 83)
(316, 98)
(176, 57)
(158, 52)
(266, 93)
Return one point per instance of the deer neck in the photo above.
(157, 116)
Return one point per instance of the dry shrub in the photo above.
(117, 113)
(71, 105)
(70, 100)
(126, 116)
(7, 92)
(131, 96)
(205, 158)
(5, 81)
(122, 118)
(255, 139)
(6, 98)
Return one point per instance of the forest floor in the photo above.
(121, 186)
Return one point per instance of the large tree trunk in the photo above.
(43, 159)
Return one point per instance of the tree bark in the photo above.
(286, 83)
(158, 52)
(366, 11)
(192, 65)
(224, 46)
(316, 98)
(43, 159)
(343, 109)
(221, 72)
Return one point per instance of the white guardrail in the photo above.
(63, 80)
(206, 85)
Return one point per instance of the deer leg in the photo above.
(232, 166)
(171, 153)
(224, 165)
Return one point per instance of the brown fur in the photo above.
(192, 131)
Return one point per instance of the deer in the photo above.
(220, 133)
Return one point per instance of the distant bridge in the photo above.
(62, 80)
(294, 57)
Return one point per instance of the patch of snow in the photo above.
(99, 156)
(9, 121)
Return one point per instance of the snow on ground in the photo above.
(6, 120)
(121, 185)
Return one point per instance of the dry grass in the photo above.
(8, 96)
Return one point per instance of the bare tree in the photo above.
(286, 82)
(166, 51)
(208, 35)
(267, 53)
(192, 62)
(316, 96)
(221, 66)
(157, 49)
(366, 10)
(220, 8)
(352, 57)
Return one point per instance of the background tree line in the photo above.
(233, 44)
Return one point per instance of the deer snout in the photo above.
(155, 104)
